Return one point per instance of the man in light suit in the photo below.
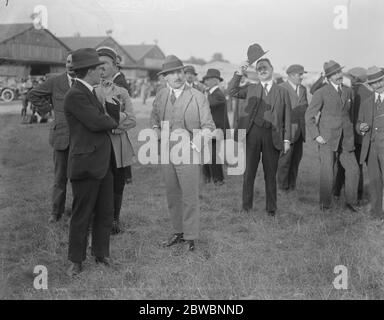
(45, 97)
(289, 162)
(267, 121)
(89, 161)
(184, 108)
(334, 134)
(370, 125)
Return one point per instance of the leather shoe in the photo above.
(116, 227)
(54, 218)
(74, 269)
(103, 260)
(271, 213)
(191, 245)
(176, 238)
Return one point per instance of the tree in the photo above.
(218, 56)
(198, 61)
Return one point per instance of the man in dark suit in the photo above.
(267, 122)
(370, 125)
(289, 162)
(89, 162)
(333, 131)
(191, 78)
(218, 106)
(44, 97)
(361, 91)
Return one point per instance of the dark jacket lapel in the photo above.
(85, 90)
(274, 96)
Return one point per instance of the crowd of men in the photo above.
(92, 148)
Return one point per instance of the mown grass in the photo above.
(237, 257)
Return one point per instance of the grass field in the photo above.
(238, 257)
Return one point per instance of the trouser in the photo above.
(340, 177)
(60, 160)
(328, 173)
(259, 141)
(182, 189)
(92, 202)
(288, 166)
(213, 171)
(376, 176)
(128, 172)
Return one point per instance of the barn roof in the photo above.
(82, 42)
(138, 51)
(10, 30)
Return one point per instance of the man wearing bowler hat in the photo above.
(218, 106)
(190, 77)
(328, 118)
(289, 162)
(89, 162)
(267, 121)
(370, 125)
(185, 109)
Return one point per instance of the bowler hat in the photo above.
(331, 67)
(107, 51)
(213, 73)
(374, 74)
(296, 68)
(190, 69)
(171, 63)
(85, 58)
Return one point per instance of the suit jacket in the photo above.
(121, 143)
(366, 115)
(336, 116)
(299, 105)
(48, 95)
(90, 146)
(361, 92)
(196, 112)
(122, 82)
(279, 116)
(319, 83)
(218, 106)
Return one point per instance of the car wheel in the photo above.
(7, 95)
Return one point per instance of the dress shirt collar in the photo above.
(213, 89)
(70, 79)
(116, 75)
(90, 88)
(335, 86)
(270, 83)
(294, 86)
(177, 92)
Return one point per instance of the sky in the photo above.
(293, 31)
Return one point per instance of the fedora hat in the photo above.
(358, 74)
(296, 68)
(190, 69)
(331, 67)
(171, 63)
(108, 52)
(85, 58)
(374, 74)
(255, 52)
(213, 73)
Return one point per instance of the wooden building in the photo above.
(128, 64)
(149, 59)
(25, 51)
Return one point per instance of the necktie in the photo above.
(173, 97)
(266, 89)
(378, 100)
(72, 81)
(94, 93)
(339, 91)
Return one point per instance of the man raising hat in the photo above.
(122, 146)
(89, 162)
(370, 124)
(333, 132)
(184, 109)
(218, 106)
(289, 162)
